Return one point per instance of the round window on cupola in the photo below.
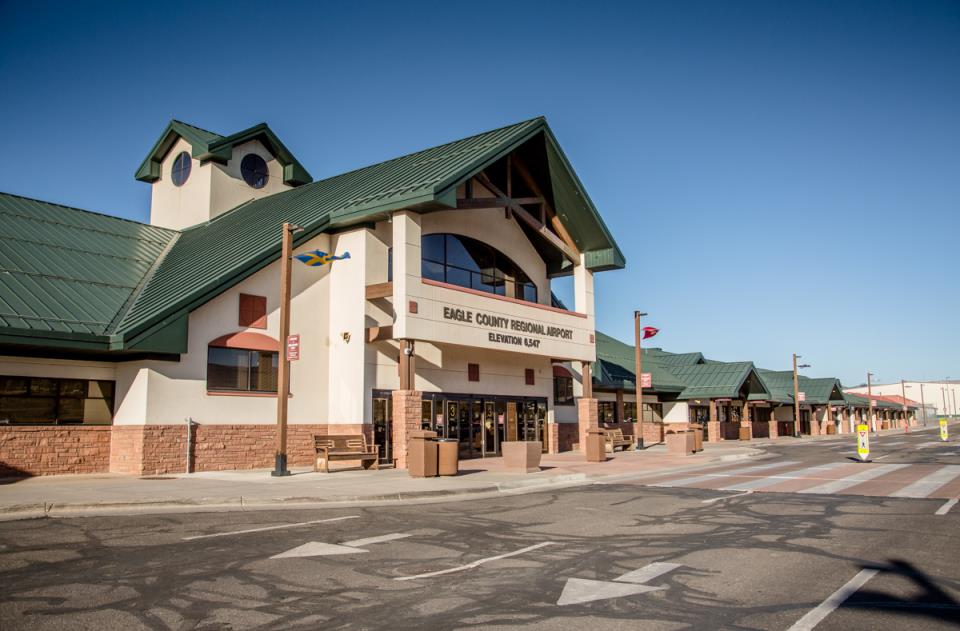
(181, 169)
(254, 170)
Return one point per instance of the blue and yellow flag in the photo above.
(318, 258)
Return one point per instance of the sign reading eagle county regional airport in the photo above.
(510, 325)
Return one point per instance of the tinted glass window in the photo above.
(254, 170)
(45, 400)
(470, 263)
(241, 370)
(181, 169)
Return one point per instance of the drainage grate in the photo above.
(157, 477)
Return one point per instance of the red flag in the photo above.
(649, 331)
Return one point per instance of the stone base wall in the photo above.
(567, 436)
(55, 449)
(160, 449)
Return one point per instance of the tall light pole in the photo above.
(796, 395)
(943, 393)
(903, 395)
(923, 406)
(638, 366)
(283, 367)
(873, 423)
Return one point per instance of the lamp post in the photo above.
(873, 423)
(796, 395)
(943, 394)
(638, 366)
(923, 406)
(903, 395)
(283, 367)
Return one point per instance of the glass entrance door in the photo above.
(382, 429)
(491, 446)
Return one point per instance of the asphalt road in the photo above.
(590, 557)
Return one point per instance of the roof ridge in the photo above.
(425, 149)
(206, 131)
(89, 212)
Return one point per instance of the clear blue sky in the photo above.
(782, 177)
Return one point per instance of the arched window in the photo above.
(466, 262)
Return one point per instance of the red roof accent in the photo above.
(247, 340)
(560, 371)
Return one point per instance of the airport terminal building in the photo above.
(147, 348)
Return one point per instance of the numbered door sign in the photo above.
(944, 434)
(863, 442)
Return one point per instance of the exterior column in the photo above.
(713, 425)
(829, 418)
(620, 411)
(814, 423)
(407, 409)
(588, 409)
(745, 423)
(553, 438)
(772, 427)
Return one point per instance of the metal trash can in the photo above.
(596, 446)
(448, 458)
(697, 438)
(422, 454)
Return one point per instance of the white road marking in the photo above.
(584, 590)
(242, 532)
(359, 543)
(316, 549)
(474, 564)
(725, 497)
(647, 573)
(726, 474)
(853, 480)
(760, 483)
(943, 510)
(816, 615)
(934, 443)
(930, 483)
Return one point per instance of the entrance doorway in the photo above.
(478, 422)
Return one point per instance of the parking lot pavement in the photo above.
(605, 556)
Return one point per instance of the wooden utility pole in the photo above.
(870, 396)
(796, 399)
(923, 405)
(903, 395)
(283, 368)
(638, 367)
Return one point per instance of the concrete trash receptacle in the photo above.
(521, 455)
(596, 446)
(422, 454)
(448, 458)
(680, 443)
(698, 438)
(745, 433)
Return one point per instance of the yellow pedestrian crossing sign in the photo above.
(863, 442)
(944, 434)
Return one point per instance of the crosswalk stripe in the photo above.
(724, 474)
(930, 483)
(760, 483)
(853, 480)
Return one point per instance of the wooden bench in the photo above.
(615, 438)
(348, 447)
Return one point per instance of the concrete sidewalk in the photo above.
(106, 494)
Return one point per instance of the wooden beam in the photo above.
(407, 365)
(523, 215)
(379, 290)
(558, 226)
(378, 333)
(495, 202)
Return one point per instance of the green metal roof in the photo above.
(676, 359)
(67, 273)
(179, 271)
(816, 390)
(720, 380)
(615, 367)
(208, 146)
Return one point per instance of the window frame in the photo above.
(59, 395)
(249, 390)
(245, 169)
(186, 167)
(504, 269)
(561, 398)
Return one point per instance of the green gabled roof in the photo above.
(719, 380)
(174, 272)
(779, 383)
(67, 273)
(615, 367)
(206, 145)
(676, 359)
(817, 390)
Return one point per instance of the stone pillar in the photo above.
(829, 418)
(553, 438)
(713, 425)
(407, 411)
(588, 415)
(773, 429)
(745, 422)
(814, 424)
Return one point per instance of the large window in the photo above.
(45, 400)
(241, 370)
(466, 262)
(562, 390)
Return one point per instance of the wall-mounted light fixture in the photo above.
(346, 336)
